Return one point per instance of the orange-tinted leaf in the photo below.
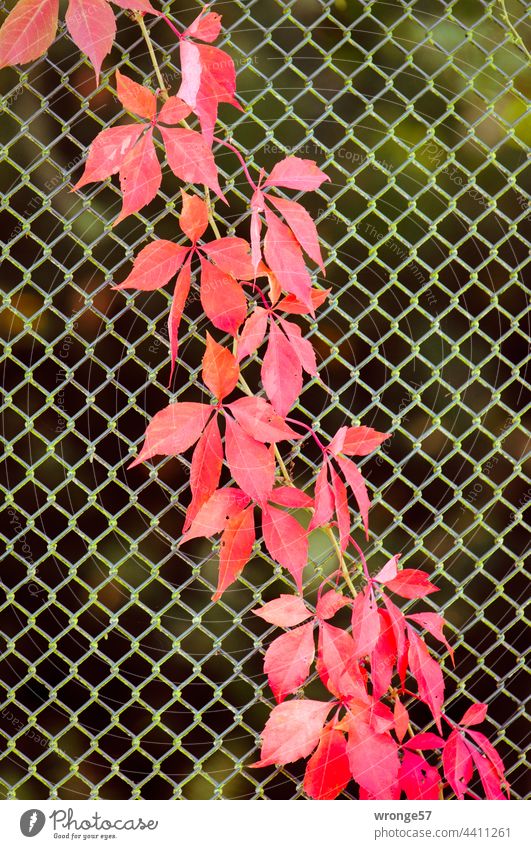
(292, 731)
(107, 153)
(220, 369)
(190, 158)
(205, 469)
(286, 540)
(324, 499)
(295, 173)
(302, 347)
(281, 372)
(356, 482)
(193, 219)
(28, 31)
(362, 440)
(92, 25)
(302, 227)
(237, 543)
(213, 516)
(260, 421)
(294, 306)
(411, 583)
(290, 496)
(401, 719)
(232, 255)
(329, 603)
(328, 770)
(284, 257)
(180, 294)
(251, 464)
(173, 111)
(288, 659)
(154, 266)
(285, 611)
(140, 176)
(253, 333)
(174, 429)
(222, 298)
(134, 97)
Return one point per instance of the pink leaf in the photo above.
(292, 731)
(288, 659)
(222, 298)
(206, 27)
(335, 445)
(302, 226)
(190, 158)
(213, 516)
(302, 347)
(294, 306)
(134, 97)
(260, 421)
(286, 540)
(427, 740)
(428, 675)
(295, 173)
(328, 770)
(220, 369)
(373, 760)
(389, 571)
(193, 219)
(365, 623)
(28, 31)
(398, 624)
(290, 496)
(232, 255)
(205, 470)
(362, 440)
(411, 583)
(383, 656)
(154, 266)
(208, 78)
(335, 663)
(401, 719)
(284, 257)
(487, 747)
(324, 500)
(251, 464)
(180, 294)
(173, 111)
(342, 511)
(140, 176)
(281, 372)
(253, 333)
(474, 715)
(92, 25)
(237, 543)
(492, 784)
(107, 153)
(418, 779)
(329, 603)
(433, 623)
(356, 482)
(457, 764)
(174, 429)
(284, 611)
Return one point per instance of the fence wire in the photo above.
(119, 677)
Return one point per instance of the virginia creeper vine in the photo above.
(362, 731)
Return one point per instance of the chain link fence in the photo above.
(119, 678)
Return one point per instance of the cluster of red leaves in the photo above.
(360, 732)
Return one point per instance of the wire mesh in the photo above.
(119, 677)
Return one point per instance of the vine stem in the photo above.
(516, 35)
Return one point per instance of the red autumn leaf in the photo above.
(28, 31)
(302, 226)
(260, 421)
(398, 624)
(411, 583)
(290, 496)
(295, 173)
(107, 153)
(205, 469)
(193, 219)
(365, 623)
(362, 440)
(173, 111)
(154, 266)
(433, 623)
(220, 369)
(288, 659)
(140, 176)
(206, 27)
(134, 97)
(355, 480)
(474, 715)
(389, 571)
(383, 656)
(373, 760)
(253, 333)
(286, 611)
(237, 543)
(190, 158)
(174, 429)
(328, 770)
(92, 25)
(302, 347)
(324, 500)
(294, 306)
(401, 719)
(214, 514)
(180, 294)
(457, 764)
(428, 675)
(286, 540)
(329, 603)
(222, 298)
(335, 661)
(281, 372)
(418, 779)
(251, 464)
(487, 747)
(342, 511)
(292, 731)
(232, 255)
(208, 78)
(426, 740)
(284, 257)
(492, 784)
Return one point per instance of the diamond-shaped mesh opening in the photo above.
(119, 677)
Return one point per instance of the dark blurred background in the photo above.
(119, 677)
